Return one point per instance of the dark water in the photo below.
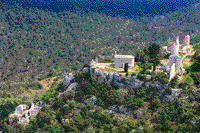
(125, 8)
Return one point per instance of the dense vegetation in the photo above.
(148, 113)
(37, 44)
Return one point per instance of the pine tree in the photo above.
(126, 67)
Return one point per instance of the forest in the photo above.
(33, 40)
(37, 44)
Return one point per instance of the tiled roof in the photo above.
(124, 56)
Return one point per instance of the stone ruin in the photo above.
(23, 114)
(182, 47)
(174, 66)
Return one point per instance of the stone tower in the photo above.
(175, 61)
(187, 41)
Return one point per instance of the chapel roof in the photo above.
(124, 56)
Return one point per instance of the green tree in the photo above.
(70, 127)
(32, 126)
(196, 46)
(154, 104)
(19, 128)
(196, 77)
(174, 82)
(85, 65)
(131, 101)
(145, 59)
(126, 67)
(138, 54)
(160, 77)
(108, 77)
(44, 118)
(154, 53)
(6, 128)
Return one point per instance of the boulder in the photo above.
(72, 87)
(85, 70)
(21, 108)
(90, 100)
(68, 79)
(65, 120)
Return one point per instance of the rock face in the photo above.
(21, 108)
(70, 90)
(85, 70)
(90, 100)
(175, 92)
(23, 114)
(69, 79)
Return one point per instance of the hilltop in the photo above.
(40, 47)
(83, 104)
(38, 44)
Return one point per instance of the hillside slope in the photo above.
(37, 44)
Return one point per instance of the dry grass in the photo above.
(109, 67)
(46, 84)
(20, 91)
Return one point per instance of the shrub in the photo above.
(146, 72)
(141, 77)
(50, 93)
(196, 77)
(126, 74)
(49, 75)
(167, 56)
(133, 74)
(123, 80)
(160, 77)
(85, 65)
(174, 82)
(39, 85)
(108, 77)
(115, 86)
(107, 61)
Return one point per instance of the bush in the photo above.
(126, 74)
(167, 56)
(7, 107)
(39, 85)
(126, 67)
(160, 77)
(174, 82)
(196, 77)
(49, 75)
(85, 65)
(133, 74)
(115, 86)
(123, 80)
(141, 77)
(146, 72)
(50, 93)
(107, 61)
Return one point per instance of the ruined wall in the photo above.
(175, 49)
(186, 41)
(172, 71)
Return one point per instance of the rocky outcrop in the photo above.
(91, 100)
(70, 90)
(23, 115)
(68, 79)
